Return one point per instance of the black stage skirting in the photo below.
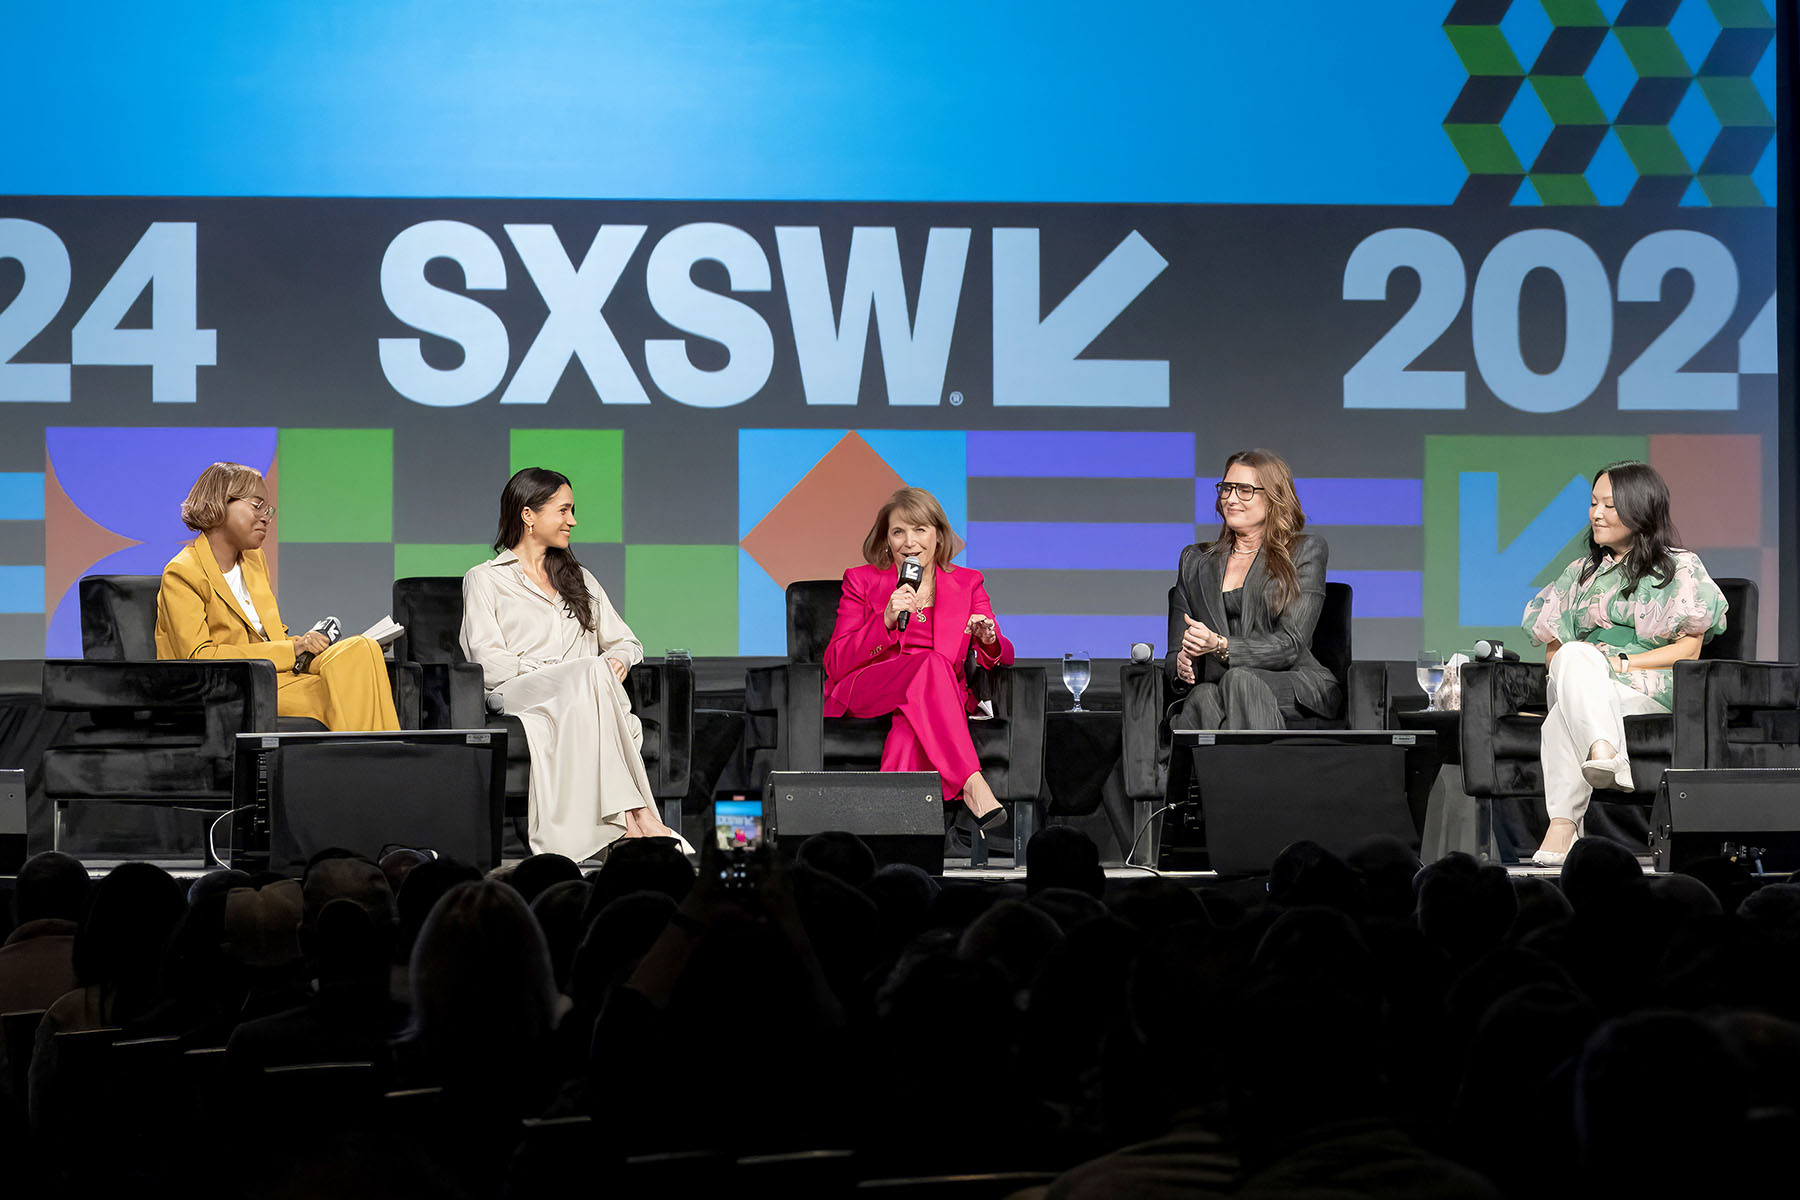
(1083, 783)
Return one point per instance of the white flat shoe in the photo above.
(1608, 774)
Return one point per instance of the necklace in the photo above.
(1250, 553)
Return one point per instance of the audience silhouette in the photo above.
(1361, 1025)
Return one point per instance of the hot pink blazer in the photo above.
(861, 637)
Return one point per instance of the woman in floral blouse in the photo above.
(1613, 625)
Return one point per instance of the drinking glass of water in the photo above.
(1431, 675)
(1077, 670)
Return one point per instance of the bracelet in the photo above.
(1224, 649)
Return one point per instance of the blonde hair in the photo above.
(921, 508)
(1285, 521)
(217, 486)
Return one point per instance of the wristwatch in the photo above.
(1624, 661)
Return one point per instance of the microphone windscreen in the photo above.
(1141, 652)
(912, 572)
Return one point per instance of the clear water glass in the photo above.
(1431, 675)
(1077, 670)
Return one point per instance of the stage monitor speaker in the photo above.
(900, 814)
(295, 794)
(12, 821)
(1701, 814)
(1260, 790)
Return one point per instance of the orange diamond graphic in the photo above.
(817, 530)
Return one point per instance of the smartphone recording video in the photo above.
(738, 823)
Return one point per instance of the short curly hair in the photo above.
(217, 486)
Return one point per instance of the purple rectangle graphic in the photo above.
(1051, 635)
(1383, 593)
(1362, 501)
(1338, 501)
(1079, 454)
(1075, 546)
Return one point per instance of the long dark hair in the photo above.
(532, 488)
(1285, 521)
(1641, 499)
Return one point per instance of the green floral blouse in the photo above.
(1601, 611)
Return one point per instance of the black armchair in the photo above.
(146, 731)
(662, 694)
(1727, 713)
(785, 706)
(1148, 704)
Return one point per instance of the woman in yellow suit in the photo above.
(215, 602)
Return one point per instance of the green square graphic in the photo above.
(413, 559)
(1538, 487)
(684, 596)
(1484, 149)
(594, 461)
(337, 485)
(1483, 50)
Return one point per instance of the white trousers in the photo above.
(1587, 705)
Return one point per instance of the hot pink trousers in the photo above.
(931, 727)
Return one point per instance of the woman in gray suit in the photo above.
(1241, 621)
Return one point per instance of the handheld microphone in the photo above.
(912, 573)
(331, 629)
(1141, 652)
(1489, 651)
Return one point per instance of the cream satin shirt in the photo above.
(511, 628)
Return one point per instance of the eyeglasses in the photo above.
(1245, 491)
(261, 508)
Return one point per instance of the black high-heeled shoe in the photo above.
(994, 818)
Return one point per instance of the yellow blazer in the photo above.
(197, 616)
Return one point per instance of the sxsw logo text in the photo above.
(1035, 361)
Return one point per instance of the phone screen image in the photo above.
(739, 824)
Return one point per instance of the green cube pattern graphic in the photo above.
(1690, 123)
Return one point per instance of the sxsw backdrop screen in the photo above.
(741, 269)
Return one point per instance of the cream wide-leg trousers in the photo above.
(586, 770)
(1587, 705)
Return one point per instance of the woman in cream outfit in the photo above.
(554, 653)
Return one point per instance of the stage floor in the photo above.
(1000, 870)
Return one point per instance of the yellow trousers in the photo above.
(346, 687)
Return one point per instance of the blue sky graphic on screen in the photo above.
(1049, 100)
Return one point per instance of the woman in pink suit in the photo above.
(874, 667)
